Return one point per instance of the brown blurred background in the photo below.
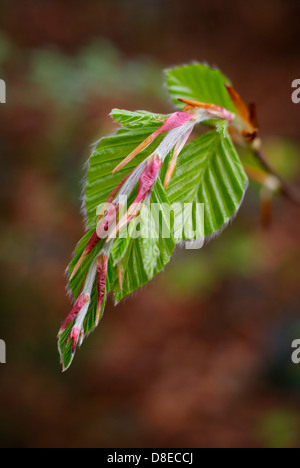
(202, 356)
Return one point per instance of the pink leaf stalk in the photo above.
(174, 121)
(112, 196)
(148, 178)
(177, 150)
(109, 218)
(212, 109)
(102, 263)
(81, 301)
(101, 228)
(147, 182)
(74, 335)
(100, 233)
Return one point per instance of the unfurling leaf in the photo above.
(147, 190)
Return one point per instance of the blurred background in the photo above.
(202, 356)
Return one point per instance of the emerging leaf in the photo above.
(210, 171)
(198, 82)
(137, 119)
(148, 163)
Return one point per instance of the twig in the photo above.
(286, 190)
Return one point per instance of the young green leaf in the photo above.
(210, 171)
(200, 83)
(109, 152)
(209, 176)
(143, 257)
(137, 119)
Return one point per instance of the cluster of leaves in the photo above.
(209, 171)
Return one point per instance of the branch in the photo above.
(289, 192)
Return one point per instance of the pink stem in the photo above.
(147, 181)
(81, 301)
(102, 263)
(173, 121)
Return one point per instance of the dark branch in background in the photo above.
(248, 116)
(286, 190)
